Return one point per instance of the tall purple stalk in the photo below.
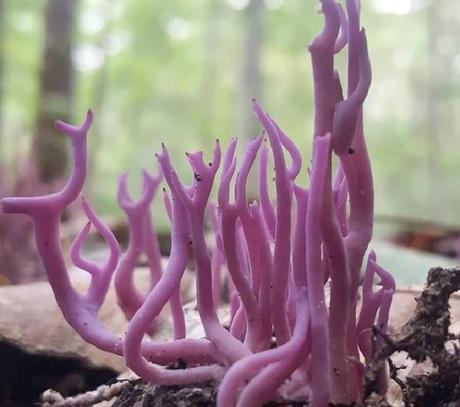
(275, 256)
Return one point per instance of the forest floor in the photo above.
(425, 339)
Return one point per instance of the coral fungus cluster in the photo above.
(290, 264)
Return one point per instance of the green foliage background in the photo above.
(146, 67)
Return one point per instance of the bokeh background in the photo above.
(184, 72)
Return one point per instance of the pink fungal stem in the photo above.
(249, 367)
(266, 370)
(340, 200)
(347, 111)
(264, 195)
(280, 362)
(294, 152)
(157, 298)
(241, 202)
(322, 57)
(152, 249)
(281, 256)
(79, 310)
(100, 276)
(320, 344)
(229, 216)
(342, 39)
(45, 212)
(217, 259)
(382, 324)
(49, 205)
(264, 262)
(129, 297)
(195, 206)
(339, 308)
(370, 303)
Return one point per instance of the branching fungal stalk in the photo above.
(276, 256)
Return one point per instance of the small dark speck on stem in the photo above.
(351, 151)
(181, 363)
(197, 177)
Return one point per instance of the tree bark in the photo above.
(100, 87)
(56, 84)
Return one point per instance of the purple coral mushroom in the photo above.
(286, 337)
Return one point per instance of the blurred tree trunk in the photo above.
(211, 39)
(55, 94)
(251, 82)
(2, 59)
(99, 96)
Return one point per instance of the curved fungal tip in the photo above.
(88, 119)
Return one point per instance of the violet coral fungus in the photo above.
(286, 337)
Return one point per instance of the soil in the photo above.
(425, 337)
(139, 394)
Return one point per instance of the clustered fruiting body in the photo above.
(280, 256)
